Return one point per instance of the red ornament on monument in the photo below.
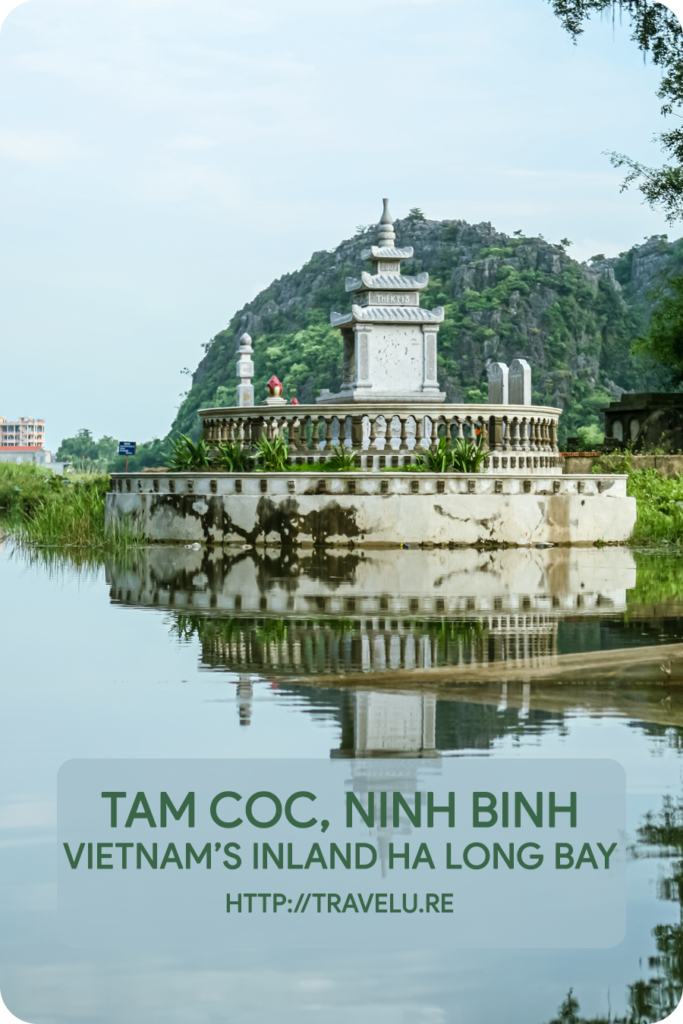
(274, 387)
(294, 401)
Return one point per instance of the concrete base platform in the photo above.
(372, 509)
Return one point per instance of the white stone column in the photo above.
(245, 372)
(429, 379)
(363, 361)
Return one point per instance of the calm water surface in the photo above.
(181, 653)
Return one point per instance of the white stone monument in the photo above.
(389, 341)
(245, 372)
(520, 382)
(498, 383)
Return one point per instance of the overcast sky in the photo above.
(163, 160)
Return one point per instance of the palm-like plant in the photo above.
(185, 455)
(439, 459)
(232, 457)
(467, 457)
(273, 456)
(341, 460)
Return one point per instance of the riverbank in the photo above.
(41, 508)
(38, 507)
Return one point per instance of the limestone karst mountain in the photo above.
(504, 297)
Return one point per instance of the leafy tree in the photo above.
(416, 214)
(75, 449)
(657, 32)
(663, 342)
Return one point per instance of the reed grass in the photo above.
(42, 509)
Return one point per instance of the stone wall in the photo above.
(668, 465)
(372, 509)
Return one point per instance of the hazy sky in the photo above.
(163, 160)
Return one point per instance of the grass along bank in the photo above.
(659, 501)
(39, 507)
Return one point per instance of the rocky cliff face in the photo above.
(504, 298)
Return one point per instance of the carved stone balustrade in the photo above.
(517, 437)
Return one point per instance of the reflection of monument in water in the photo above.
(344, 619)
(312, 647)
(319, 614)
(389, 724)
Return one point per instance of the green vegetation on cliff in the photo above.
(504, 297)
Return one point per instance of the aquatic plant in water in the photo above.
(41, 508)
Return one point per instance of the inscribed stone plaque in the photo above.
(498, 383)
(520, 382)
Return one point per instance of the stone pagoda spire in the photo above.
(389, 341)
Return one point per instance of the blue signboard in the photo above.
(127, 447)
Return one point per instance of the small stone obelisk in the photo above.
(245, 372)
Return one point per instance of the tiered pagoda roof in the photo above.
(387, 295)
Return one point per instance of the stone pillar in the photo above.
(429, 378)
(498, 383)
(245, 372)
(362, 334)
(495, 433)
(348, 359)
(520, 382)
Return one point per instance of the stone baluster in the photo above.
(374, 433)
(328, 433)
(258, 429)
(436, 423)
(312, 424)
(295, 435)
(535, 440)
(403, 443)
(524, 434)
(459, 429)
(230, 431)
(357, 433)
(495, 433)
